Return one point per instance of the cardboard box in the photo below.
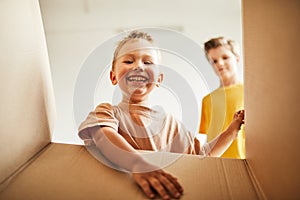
(34, 168)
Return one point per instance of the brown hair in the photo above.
(133, 35)
(221, 41)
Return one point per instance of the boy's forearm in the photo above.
(147, 176)
(115, 148)
(222, 142)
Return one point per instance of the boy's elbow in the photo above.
(96, 134)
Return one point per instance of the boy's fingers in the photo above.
(158, 187)
(174, 181)
(240, 112)
(163, 183)
(170, 186)
(144, 185)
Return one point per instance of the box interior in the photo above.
(34, 168)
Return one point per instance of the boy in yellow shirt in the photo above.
(219, 106)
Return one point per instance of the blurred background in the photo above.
(74, 28)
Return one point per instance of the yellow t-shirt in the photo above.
(218, 109)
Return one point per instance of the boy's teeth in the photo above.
(137, 78)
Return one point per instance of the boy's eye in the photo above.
(225, 57)
(148, 62)
(128, 62)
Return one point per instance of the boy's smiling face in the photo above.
(224, 62)
(136, 70)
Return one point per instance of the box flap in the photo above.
(65, 171)
(272, 98)
(26, 91)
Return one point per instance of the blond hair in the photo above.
(221, 41)
(133, 35)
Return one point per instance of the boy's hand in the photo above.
(239, 117)
(235, 125)
(158, 181)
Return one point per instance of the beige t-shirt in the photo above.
(143, 127)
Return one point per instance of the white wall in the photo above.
(74, 28)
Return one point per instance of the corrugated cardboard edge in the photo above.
(256, 185)
(238, 179)
(11, 177)
(230, 183)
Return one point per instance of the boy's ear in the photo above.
(237, 59)
(160, 78)
(113, 78)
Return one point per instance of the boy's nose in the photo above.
(220, 63)
(139, 66)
